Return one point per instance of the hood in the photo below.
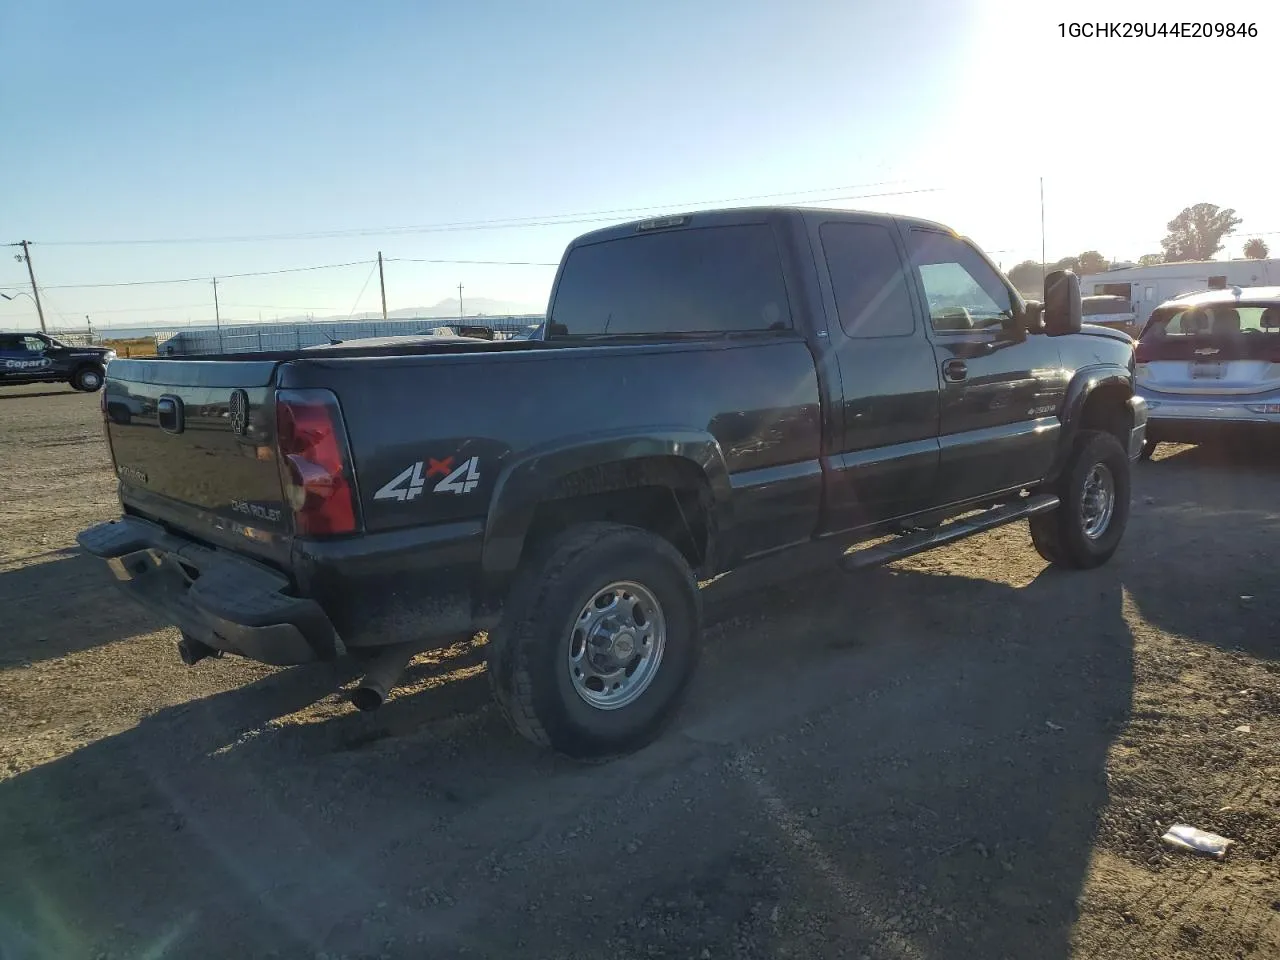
(1094, 330)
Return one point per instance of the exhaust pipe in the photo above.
(192, 651)
(383, 674)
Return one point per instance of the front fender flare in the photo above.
(1085, 382)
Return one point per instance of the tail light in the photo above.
(314, 462)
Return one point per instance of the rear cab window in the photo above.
(697, 280)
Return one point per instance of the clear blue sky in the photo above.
(144, 120)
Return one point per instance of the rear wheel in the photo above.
(1093, 511)
(598, 641)
(87, 379)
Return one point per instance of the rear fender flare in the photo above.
(532, 478)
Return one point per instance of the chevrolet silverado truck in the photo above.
(40, 358)
(707, 389)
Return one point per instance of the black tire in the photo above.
(88, 379)
(528, 652)
(1060, 536)
(1148, 448)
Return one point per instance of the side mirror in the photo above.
(1063, 312)
(1033, 317)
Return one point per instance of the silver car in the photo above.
(1208, 366)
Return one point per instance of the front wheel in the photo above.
(1093, 510)
(87, 379)
(598, 640)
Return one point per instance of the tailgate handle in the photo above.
(171, 415)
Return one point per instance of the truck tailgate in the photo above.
(194, 447)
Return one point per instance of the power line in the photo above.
(588, 216)
(442, 261)
(272, 273)
(488, 263)
(352, 313)
(221, 276)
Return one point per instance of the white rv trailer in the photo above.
(1148, 287)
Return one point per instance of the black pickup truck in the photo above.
(708, 389)
(40, 358)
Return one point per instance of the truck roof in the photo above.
(726, 216)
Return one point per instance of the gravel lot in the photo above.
(963, 755)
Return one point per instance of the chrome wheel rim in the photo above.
(1098, 501)
(91, 380)
(616, 645)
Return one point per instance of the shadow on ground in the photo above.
(1214, 578)
(68, 392)
(901, 764)
(61, 604)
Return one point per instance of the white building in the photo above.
(1148, 287)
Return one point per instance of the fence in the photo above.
(75, 338)
(258, 337)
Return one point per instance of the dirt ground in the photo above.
(964, 755)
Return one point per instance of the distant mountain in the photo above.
(474, 306)
(444, 310)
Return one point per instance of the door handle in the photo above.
(955, 370)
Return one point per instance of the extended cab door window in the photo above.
(702, 280)
(868, 280)
(884, 456)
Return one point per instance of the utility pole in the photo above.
(461, 313)
(382, 282)
(35, 291)
(218, 315)
(1043, 260)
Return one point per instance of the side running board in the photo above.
(912, 543)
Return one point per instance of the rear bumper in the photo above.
(1194, 420)
(220, 599)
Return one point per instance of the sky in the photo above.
(269, 136)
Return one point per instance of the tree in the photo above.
(1091, 261)
(1197, 232)
(1256, 249)
(1150, 259)
(1027, 278)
